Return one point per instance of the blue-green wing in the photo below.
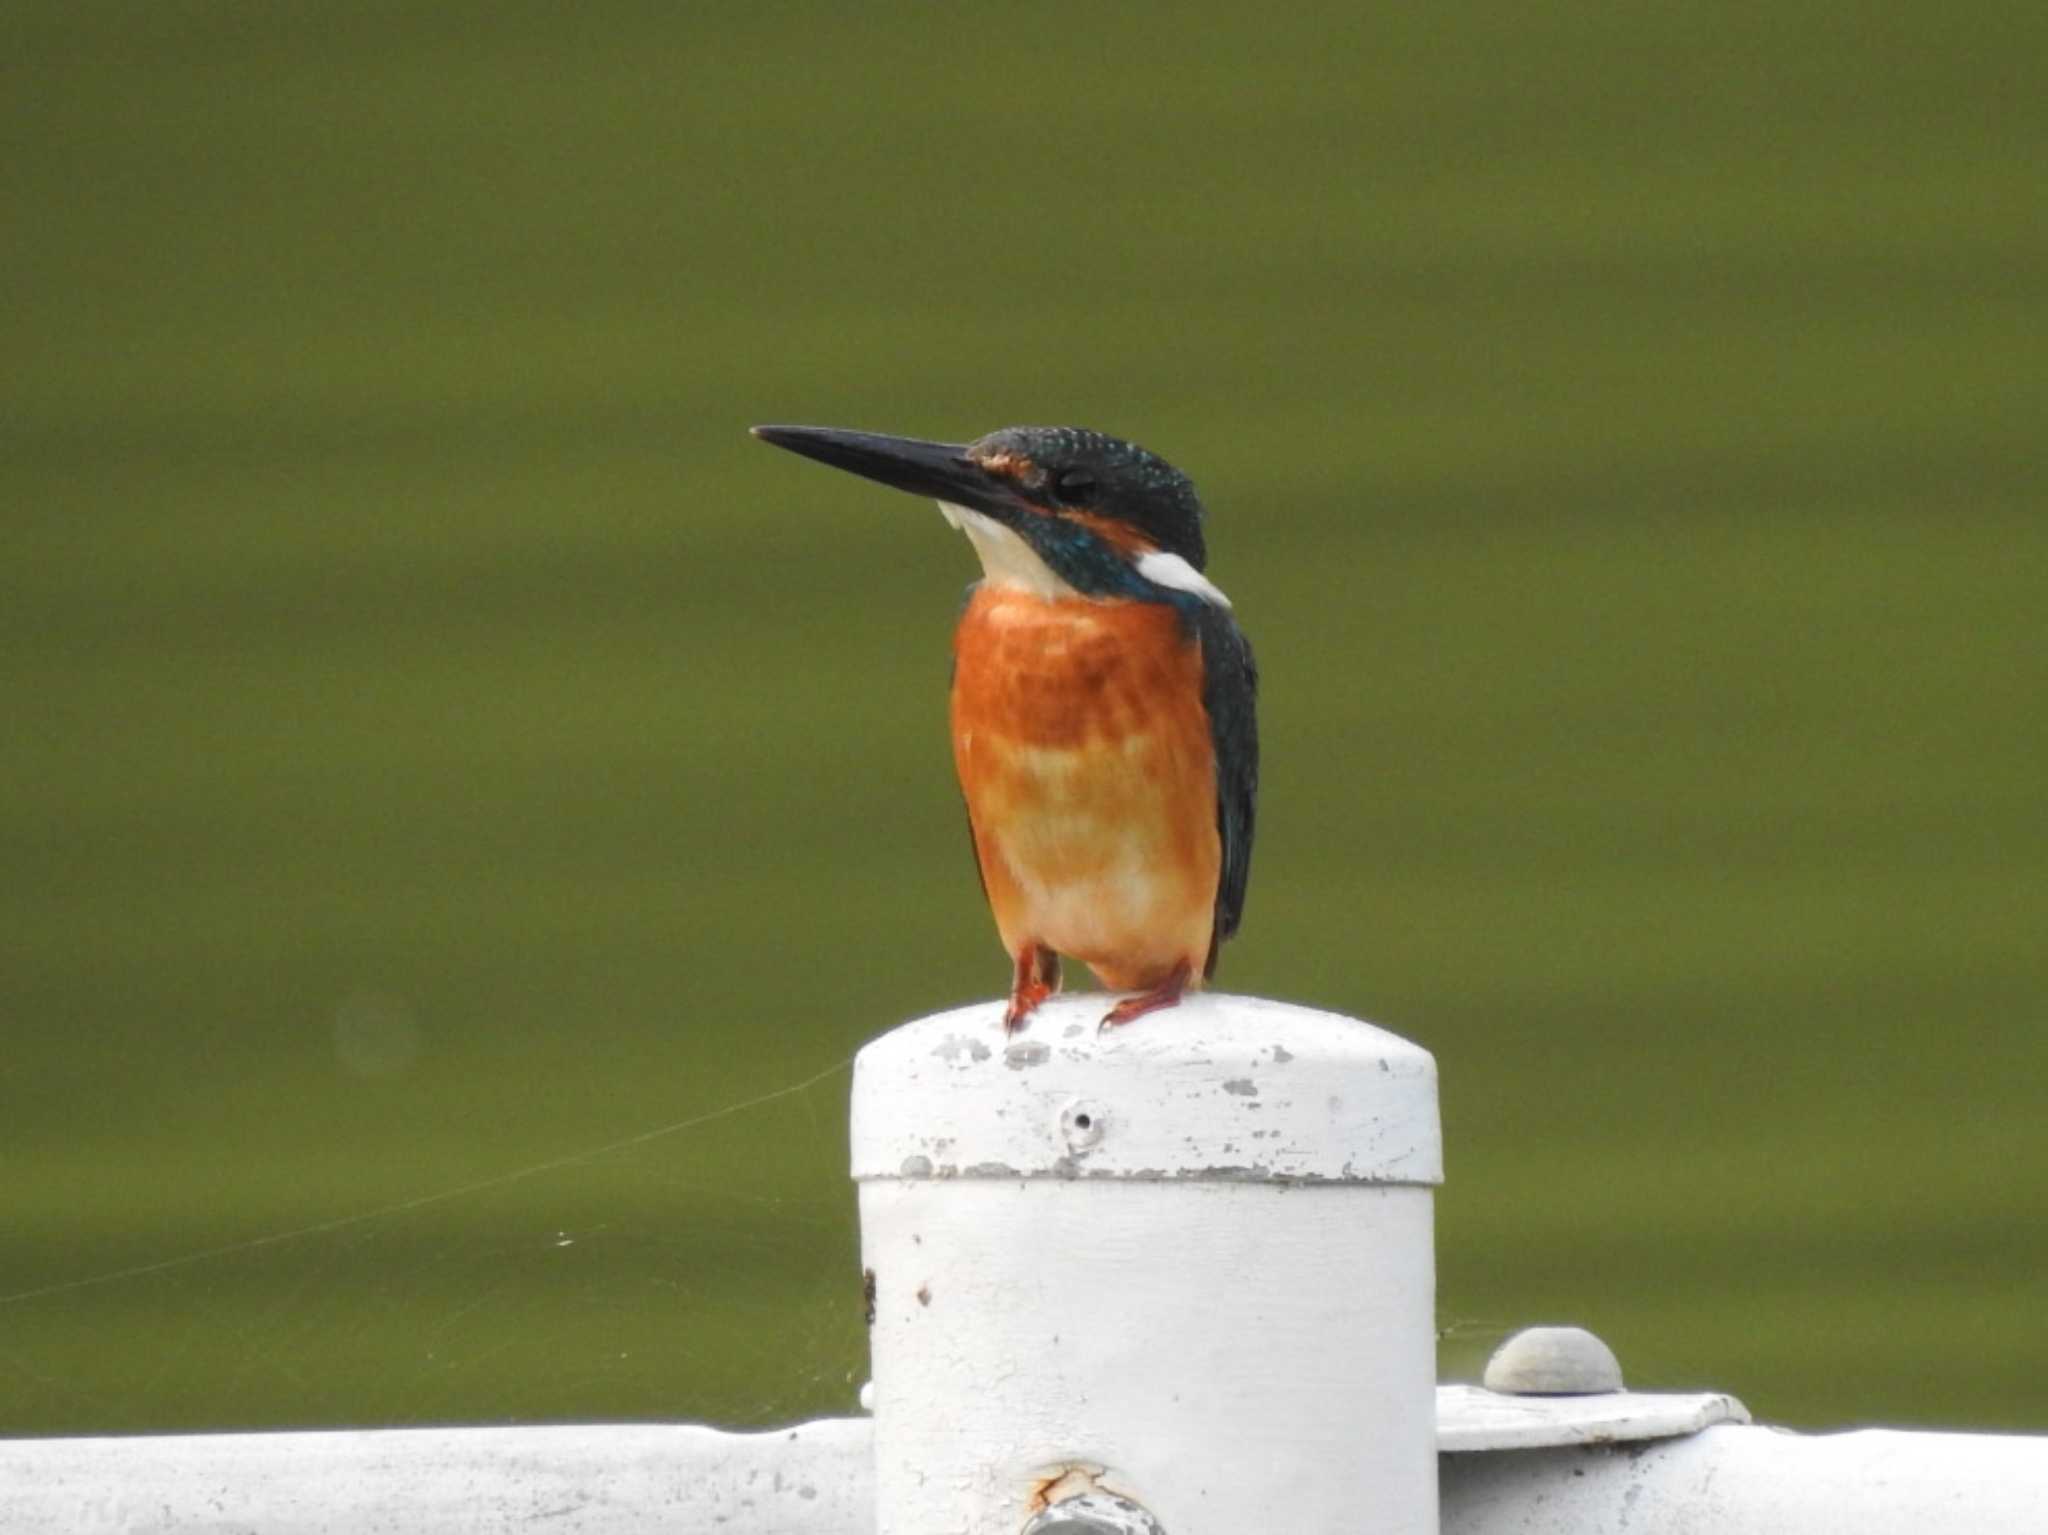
(1230, 689)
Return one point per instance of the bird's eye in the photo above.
(1075, 487)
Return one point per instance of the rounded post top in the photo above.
(1218, 1089)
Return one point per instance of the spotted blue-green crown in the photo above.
(1086, 471)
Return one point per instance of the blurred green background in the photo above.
(440, 745)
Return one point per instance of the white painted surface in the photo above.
(818, 1479)
(1473, 1418)
(1219, 1088)
(1739, 1480)
(1187, 1262)
(622, 1479)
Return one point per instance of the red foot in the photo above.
(1038, 977)
(1166, 994)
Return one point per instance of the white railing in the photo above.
(818, 1479)
(1175, 1279)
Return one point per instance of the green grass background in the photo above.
(438, 743)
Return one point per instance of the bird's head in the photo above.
(1059, 510)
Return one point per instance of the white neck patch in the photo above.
(1163, 569)
(1006, 559)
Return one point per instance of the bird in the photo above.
(1103, 709)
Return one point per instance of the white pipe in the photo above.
(1735, 1479)
(564, 1479)
(819, 1478)
(1186, 1263)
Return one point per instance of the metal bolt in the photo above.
(1553, 1361)
(1094, 1513)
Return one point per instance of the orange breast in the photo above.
(1085, 757)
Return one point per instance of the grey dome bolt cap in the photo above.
(1553, 1361)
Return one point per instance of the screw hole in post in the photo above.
(1082, 1124)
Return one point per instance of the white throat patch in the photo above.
(1006, 560)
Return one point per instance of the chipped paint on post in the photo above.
(1192, 1256)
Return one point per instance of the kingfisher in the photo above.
(1103, 704)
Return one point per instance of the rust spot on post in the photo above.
(1064, 1482)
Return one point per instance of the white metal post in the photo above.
(1184, 1265)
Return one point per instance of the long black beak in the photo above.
(941, 470)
